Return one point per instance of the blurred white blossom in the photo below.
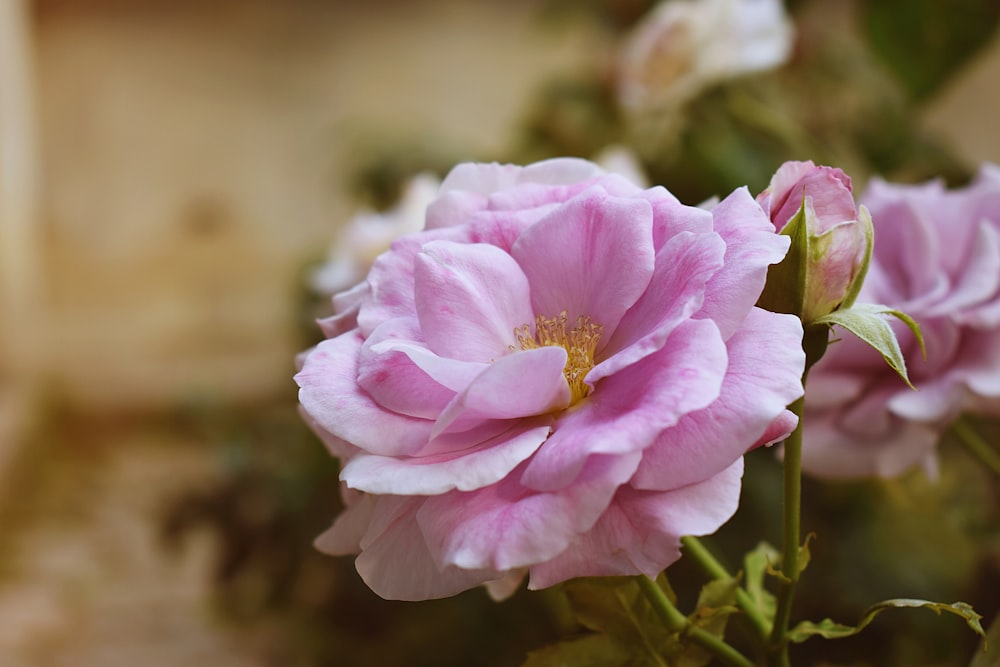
(369, 234)
(684, 46)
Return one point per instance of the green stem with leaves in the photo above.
(675, 621)
(790, 565)
(713, 568)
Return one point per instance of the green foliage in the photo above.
(756, 563)
(628, 631)
(832, 630)
(924, 42)
(866, 321)
(985, 656)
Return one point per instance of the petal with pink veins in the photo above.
(751, 246)
(628, 410)
(592, 257)
(469, 299)
(507, 526)
(640, 531)
(522, 384)
(476, 466)
(684, 265)
(753, 395)
(395, 561)
(329, 392)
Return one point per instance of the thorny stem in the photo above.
(675, 621)
(713, 568)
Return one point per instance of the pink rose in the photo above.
(837, 238)
(558, 377)
(936, 258)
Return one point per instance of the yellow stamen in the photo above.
(580, 344)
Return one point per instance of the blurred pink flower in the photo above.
(837, 238)
(558, 377)
(936, 258)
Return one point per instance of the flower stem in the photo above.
(713, 568)
(976, 444)
(675, 621)
(790, 547)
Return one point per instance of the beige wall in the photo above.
(195, 154)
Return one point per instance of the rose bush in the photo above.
(936, 258)
(557, 377)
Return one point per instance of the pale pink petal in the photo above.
(753, 395)
(395, 561)
(394, 380)
(684, 265)
(507, 526)
(466, 470)
(640, 531)
(751, 246)
(346, 306)
(628, 410)
(344, 536)
(593, 258)
(337, 447)
(329, 392)
(522, 384)
(390, 279)
(470, 298)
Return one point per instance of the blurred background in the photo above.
(173, 172)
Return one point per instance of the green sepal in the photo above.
(866, 321)
(829, 629)
(785, 289)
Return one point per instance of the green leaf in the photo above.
(716, 603)
(832, 630)
(985, 657)
(589, 651)
(756, 564)
(785, 289)
(866, 321)
(617, 608)
(924, 41)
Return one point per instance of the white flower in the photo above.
(369, 234)
(682, 47)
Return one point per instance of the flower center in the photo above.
(580, 343)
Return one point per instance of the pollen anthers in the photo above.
(580, 344)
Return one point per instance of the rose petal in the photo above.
(751, 246)
(594, 257)
(753, 395)
(640, 531)
(684, 265)
(465, 470)
(469, 299)
(628, 411)
(522, 384)
(329, 392)
(507, 526)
